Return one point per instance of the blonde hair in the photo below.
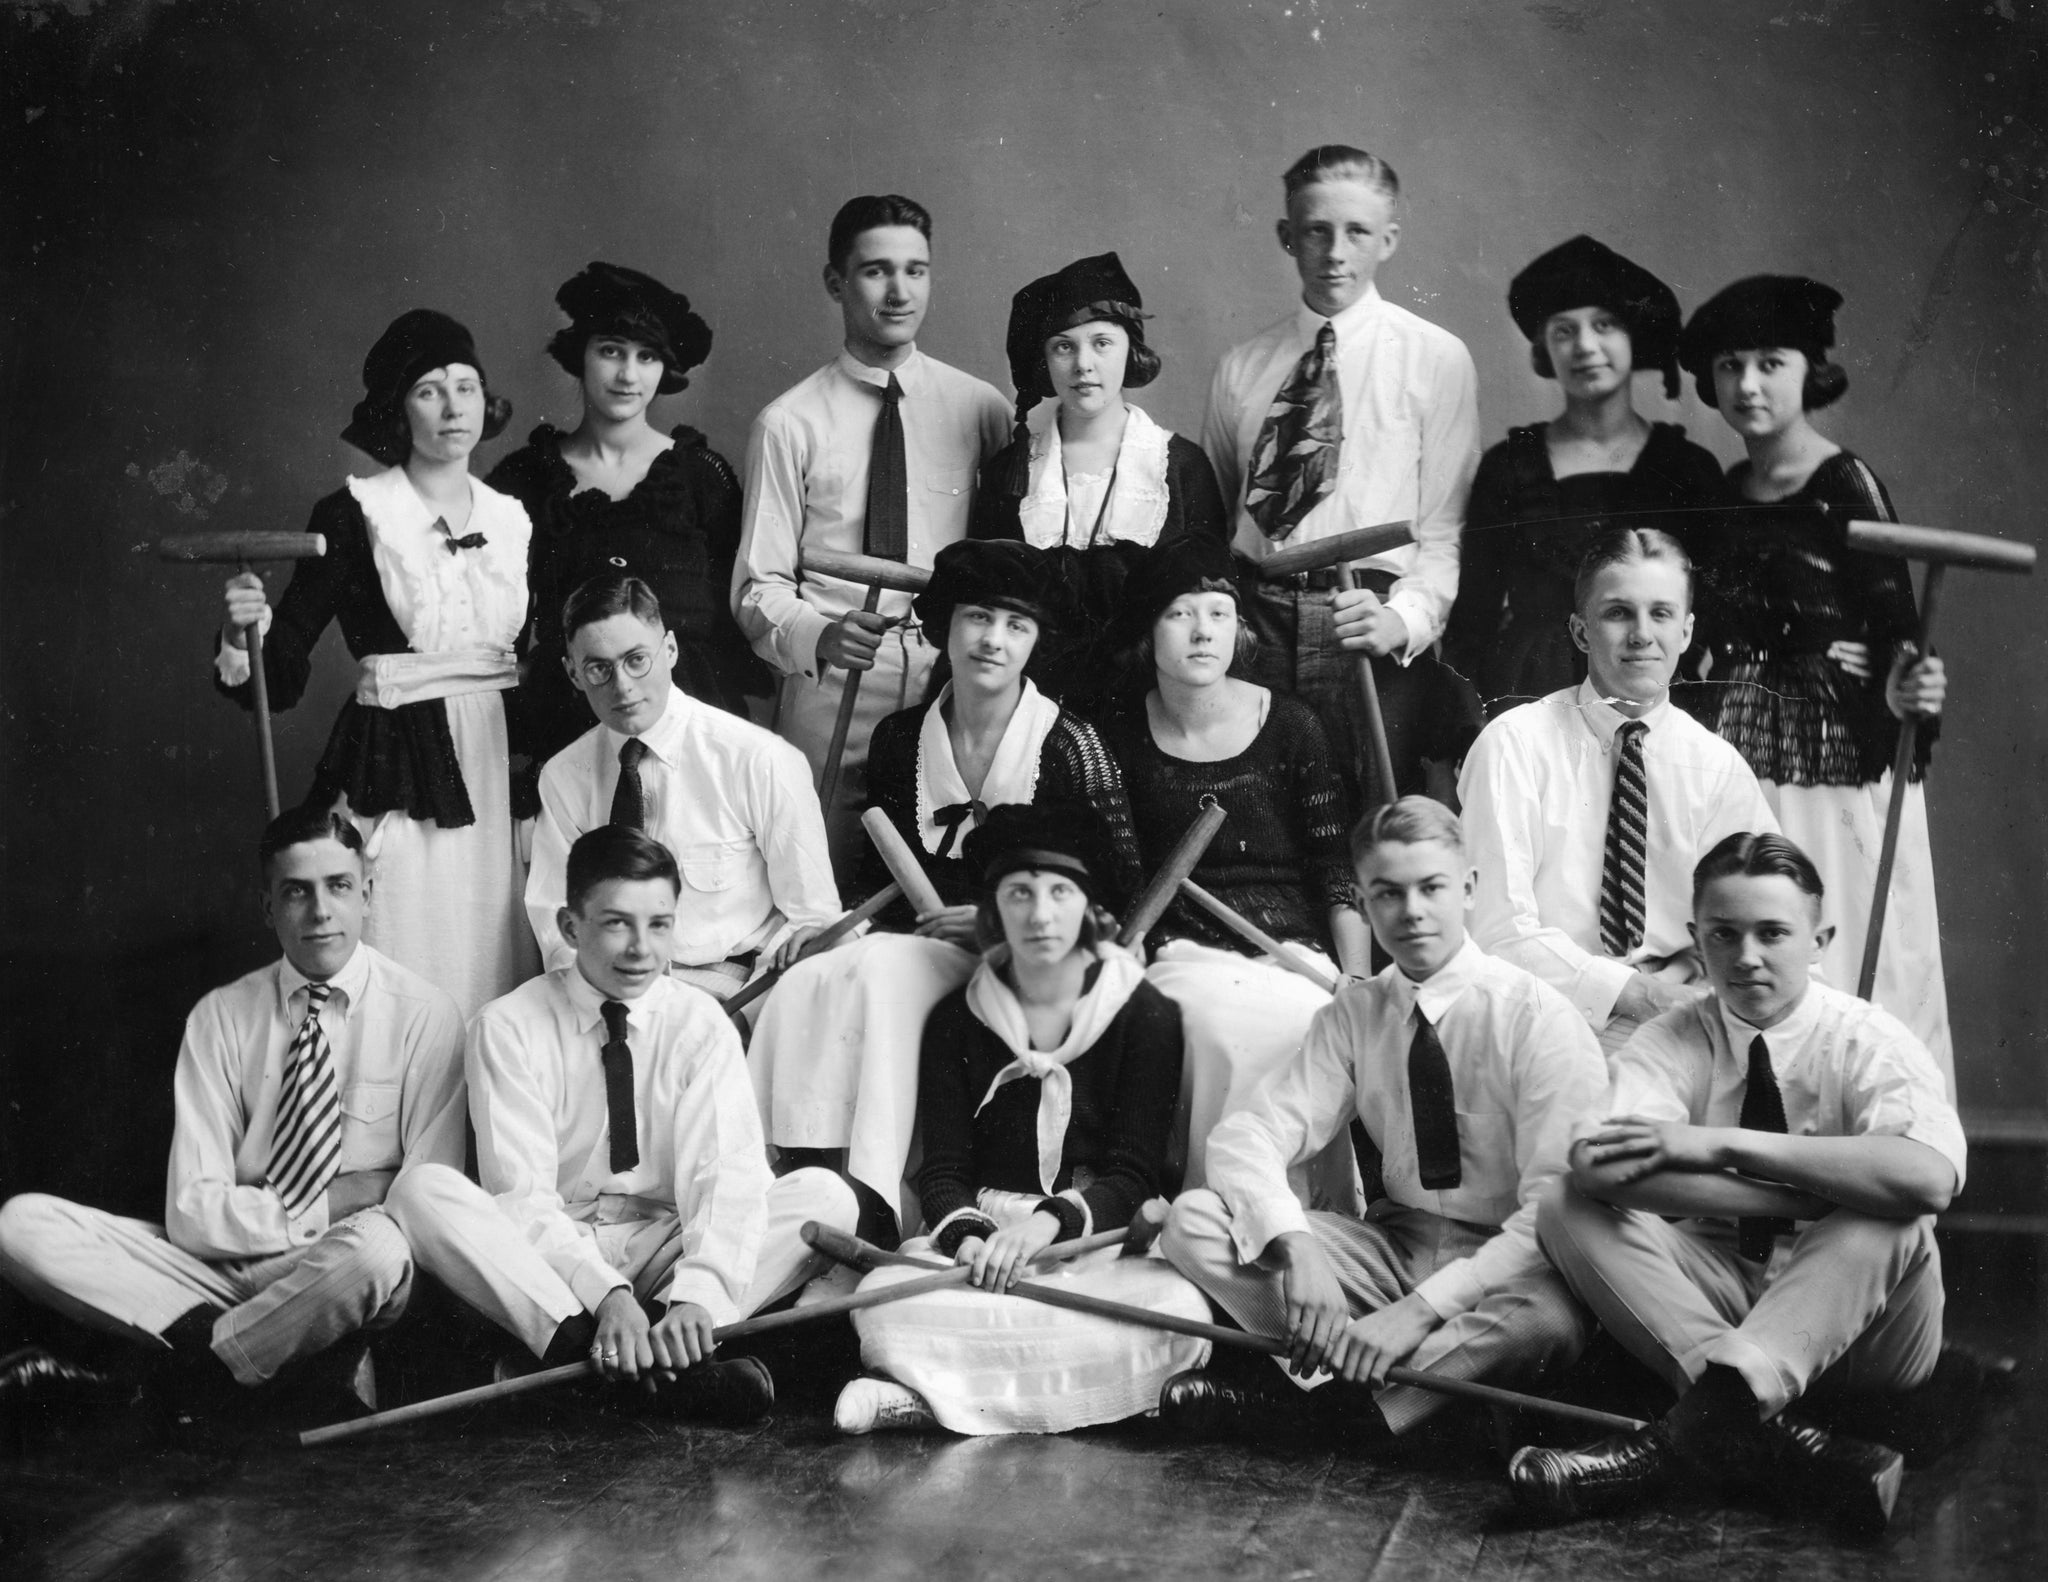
(1411, 821)
(1342, 162)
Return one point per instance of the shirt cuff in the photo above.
(1254, 1225)
(1414, 614)
(1600, 983)
(593, 1282)
(957, 1226)
(309, 1224)
(805, 628)
(701, 1287)
(1072, 1211)
(1452, 1290)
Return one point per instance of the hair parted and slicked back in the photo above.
(616, 851)
(1626, 546)
(1342, 162)
(869, 212)
(1745, 855)
(300, 825)
(1410, 821)
(614, 593)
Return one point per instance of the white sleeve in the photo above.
(766, 581)
(1450, 457)
(547, 878)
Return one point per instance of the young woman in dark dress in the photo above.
(615, 494)
(1281, 858)
(1092, 480)
(835, 1054)
(425, 571)
(1045, 1100)
(1812, 644)
(1549, 491)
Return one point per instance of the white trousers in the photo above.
(124, 1277)
(805, 711)
(460, 1236)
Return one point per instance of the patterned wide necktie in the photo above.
(1435, 1105)
(629, 797)
(618, 1087)
(1763, 1110)
(1294, 460)
(1628, 823)
(888, 515)
(305, 1146)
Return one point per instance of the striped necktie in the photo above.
(1294, 459)
(1628, 823)
(1763, 1110)
(305, 1147)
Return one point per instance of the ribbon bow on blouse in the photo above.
(467, 541)
(951, 819)
(1111, 981)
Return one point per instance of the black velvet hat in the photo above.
(1584, 273)
(609, 299)
(1001, 573)
(1763, 310)
(1168, 570)
(1064, 835)
(1088, 288)
(415, 343)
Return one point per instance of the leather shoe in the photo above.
(724, 1394)
(1849, 1480)
(1199, 1405)
(35, 1382)
(1608, 1475)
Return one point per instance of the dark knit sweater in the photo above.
(1126, 1087)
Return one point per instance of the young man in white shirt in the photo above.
(1468, 1074)
(1588, 809)
(733, 803)
(1754, 1218)
(1347, 413)
(876, 454)
(302, 1091)
(627, 1208)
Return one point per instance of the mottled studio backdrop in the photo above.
(208, 210)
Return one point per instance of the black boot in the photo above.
(731, 1394)
(1203, 1404)
(1850, 1482)
(36, 1386)
(1608, 1475)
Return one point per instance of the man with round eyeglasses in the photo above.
(732, 802)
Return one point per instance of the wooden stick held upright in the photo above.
(901, 862)
(876, 574)
(1187, 853)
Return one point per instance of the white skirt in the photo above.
(834, 1055)
(1842, 829)
(993, 1364)
(450, 903)
(1243, 1019)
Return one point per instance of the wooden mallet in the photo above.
(876, 574)
(1360, 543)
(1158, 895)
(1941, 548)
(816, 945)
(851, 1250)
(901, 862)
(1255, 936)
(760, 1324)
(239, 549)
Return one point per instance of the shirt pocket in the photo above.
(369, 1126)
(954, 481)
(717, 867)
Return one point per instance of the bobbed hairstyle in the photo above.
(602, 597)
(1789, 311)
(869, 212)
(1410, 821)
(1342, 162)
(615, 851)
(300, 826)
(1744, 855)
(1824, 385)
(414, 344)
(1626, 546)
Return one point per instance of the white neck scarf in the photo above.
(1136, 509)
(1012, 777)
(996, 1006)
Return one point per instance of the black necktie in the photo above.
(1763, 1110)
(1628, 823)
(1436, 1108)
(618, 1088)
(1294, 459)
(888, 517)
(629, 797)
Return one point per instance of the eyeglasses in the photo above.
(599, 672)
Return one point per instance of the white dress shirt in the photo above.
(1535, 791)
(807, 484)
(543, 1134)
(1525, 1070)
(732, 802)
(1411, 443)
(396, 1042)
(1844, 1067)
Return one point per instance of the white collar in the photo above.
(588, 1003)
(1603, 719)
(1442, 989)
(348, 983)
(1308, 323)
(1781, 1040)
(1135, 509)
(910, 373)
(664, 738)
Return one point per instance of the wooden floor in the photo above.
(565, 1488)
